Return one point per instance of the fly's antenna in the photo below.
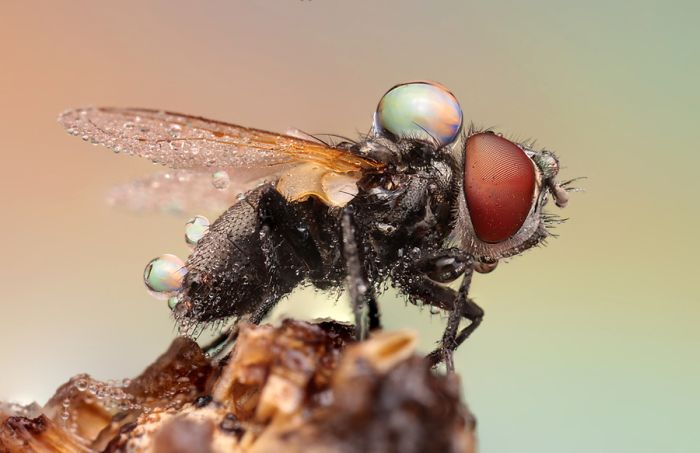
(567, 185)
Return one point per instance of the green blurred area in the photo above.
(589, 344)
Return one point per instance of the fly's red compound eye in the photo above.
(499, 184)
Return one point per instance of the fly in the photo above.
(417, 203)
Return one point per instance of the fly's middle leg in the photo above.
(364, 303)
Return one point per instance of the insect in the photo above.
(416, 203)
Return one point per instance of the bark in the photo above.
(299, 387)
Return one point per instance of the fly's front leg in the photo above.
(361, 294)
(462, 307)
(433, 270)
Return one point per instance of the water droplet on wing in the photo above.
(221, 180)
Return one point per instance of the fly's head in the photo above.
(504, 188)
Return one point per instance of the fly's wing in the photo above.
(183, 141)
(188, 142)
(179, 192)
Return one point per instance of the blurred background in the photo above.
(589, 344)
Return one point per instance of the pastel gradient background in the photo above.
(589, 344)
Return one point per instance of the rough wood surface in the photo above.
(299, 387)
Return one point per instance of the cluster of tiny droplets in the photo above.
(110, 393)
(179, 141)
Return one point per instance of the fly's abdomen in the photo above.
(227, 274)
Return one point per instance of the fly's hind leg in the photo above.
(362, 298)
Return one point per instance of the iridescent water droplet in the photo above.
(221, 179)
(163, 275)
(172, 302)
(195, 229)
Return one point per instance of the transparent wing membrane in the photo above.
(189, 142)
(180, 192)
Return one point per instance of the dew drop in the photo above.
(163, 275)
(172, 302)
(195, 229)
(221, 180)
(175, 129)
(81, 385)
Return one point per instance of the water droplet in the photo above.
(195, 229)
(81, 385)
(172, 302)
(221, 180)
(175, 129)
(163, 275)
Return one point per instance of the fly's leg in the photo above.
(462, 307)
(475, 315)
(422, 278)
(361, 294)
(221, 343)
